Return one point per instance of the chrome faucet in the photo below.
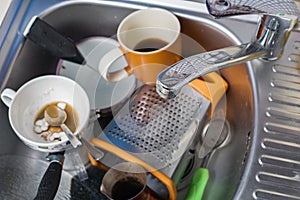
(268, 44)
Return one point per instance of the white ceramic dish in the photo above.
(104, 95)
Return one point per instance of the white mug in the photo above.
(27, 101)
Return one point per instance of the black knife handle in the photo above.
(46, 37)
(50, 182)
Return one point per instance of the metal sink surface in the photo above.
(261, 160)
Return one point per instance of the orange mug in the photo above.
(150, 41)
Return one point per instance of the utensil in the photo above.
(50, 182)
(96, 153)
(197, 184)
(215, 135)
(155, 130)
(56, 116)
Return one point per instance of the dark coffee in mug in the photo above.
(126, 188)
(151, 44)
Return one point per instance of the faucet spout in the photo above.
(268, 43)
(171, 80)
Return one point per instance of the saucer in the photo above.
(103, 95)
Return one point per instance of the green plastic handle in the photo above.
(198, 184)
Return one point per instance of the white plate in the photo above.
(103, 95)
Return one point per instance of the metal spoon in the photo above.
(56, 116)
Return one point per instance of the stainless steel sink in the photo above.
(254, 108)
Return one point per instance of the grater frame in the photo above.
(127, 129)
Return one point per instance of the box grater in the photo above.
(156, 130)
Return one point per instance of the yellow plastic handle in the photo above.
(130, 158)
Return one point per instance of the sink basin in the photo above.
(82, 19)
(102, 19)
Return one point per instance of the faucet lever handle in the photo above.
(221, 8)
(172, 79)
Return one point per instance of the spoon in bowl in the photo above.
(56, 116)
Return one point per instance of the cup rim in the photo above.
(161, 10)
(116, 169)
(46, 144)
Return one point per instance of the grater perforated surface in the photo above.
(157, 130)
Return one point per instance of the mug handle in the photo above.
(106, 62)
(7, 96)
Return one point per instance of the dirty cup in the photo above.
(125, 181)
(25, 103)
(150, 41)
